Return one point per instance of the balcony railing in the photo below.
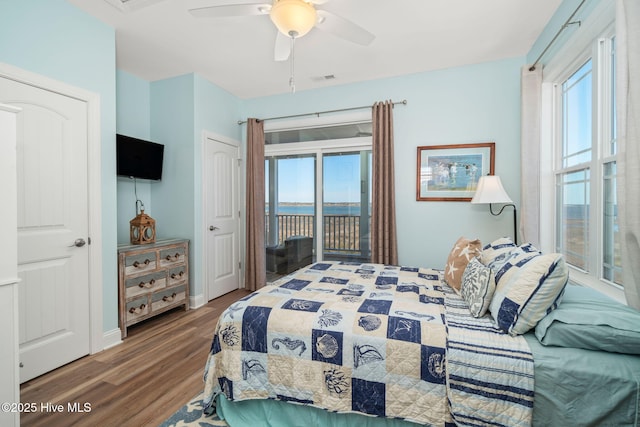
(341, 232)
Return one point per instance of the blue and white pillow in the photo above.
(529, 285)
(478, 286)
(503, 265)
(496, 250)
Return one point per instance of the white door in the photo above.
(220, 170)
(53, 227)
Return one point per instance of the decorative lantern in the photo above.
(143, 229)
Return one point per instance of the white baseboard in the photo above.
(196, 301)
(112, 338)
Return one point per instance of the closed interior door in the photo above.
(53, 216)
(221, 217)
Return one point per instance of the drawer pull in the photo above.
(137, 310)
(174, 257)
(137, 264)
(174, 275)
(147, 285)
(168, 298)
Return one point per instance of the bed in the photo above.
(339, 343)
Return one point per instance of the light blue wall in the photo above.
(54, 39)
(174, 112)
(133, 111)
(564, 11)
(216, 110)
(478, 103)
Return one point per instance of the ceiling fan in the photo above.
(293, 18)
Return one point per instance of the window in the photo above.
(573, 176)
(584, 169)
(612, 267)
(318, 185)
(318, 133)
(346, 205)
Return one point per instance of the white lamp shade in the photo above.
(294, 18)
(490, 190)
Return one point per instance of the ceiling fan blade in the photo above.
(283, 47)
(343, 28)
(229, 10)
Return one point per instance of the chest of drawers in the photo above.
(152, 279)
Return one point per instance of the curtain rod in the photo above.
(403, 102)
(564, 26)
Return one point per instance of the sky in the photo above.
(296, 177)
(577, 134)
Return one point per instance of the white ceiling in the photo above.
(158, 39)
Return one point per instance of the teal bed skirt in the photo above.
(572, 387)
(272, 413)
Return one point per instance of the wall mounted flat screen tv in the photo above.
(137, 158)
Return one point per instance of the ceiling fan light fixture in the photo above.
(293, 18)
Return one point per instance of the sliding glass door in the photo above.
(317, 195)
(293, 213)
(346, 205)
(290, 211)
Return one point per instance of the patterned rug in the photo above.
(191, 415)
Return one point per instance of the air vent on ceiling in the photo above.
(323, 78)
(131, 5)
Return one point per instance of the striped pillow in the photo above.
(503, 265)
(528, 286)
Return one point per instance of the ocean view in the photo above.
(307, 208)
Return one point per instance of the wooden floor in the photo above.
(157, 369)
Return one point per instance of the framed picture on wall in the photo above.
(450, 173)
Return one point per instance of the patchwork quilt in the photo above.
(371, 339)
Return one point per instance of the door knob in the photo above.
(78, 243)
(212, 228)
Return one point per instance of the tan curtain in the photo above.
(255, 272)
(628, 126)
(384, 247)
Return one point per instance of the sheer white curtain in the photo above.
(628, 106)
(531, 98)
